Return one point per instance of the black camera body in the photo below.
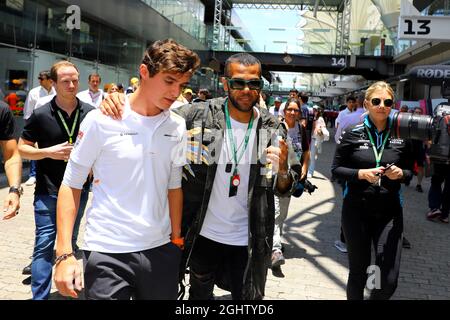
(304, 186)
(309, 187)
(434, 128)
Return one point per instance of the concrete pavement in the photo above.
(314, 269)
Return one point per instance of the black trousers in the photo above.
(364, 227)
(211, 260)
(145, 275)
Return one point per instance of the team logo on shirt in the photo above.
(122, 134)
(363, 137)
(78, 139)
(396, 141)
(364, 146)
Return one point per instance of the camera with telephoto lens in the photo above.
(435, 128)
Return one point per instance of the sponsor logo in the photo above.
(122, 134)
(396, 141)
(78, 139)
(365, 146)
(433, 73)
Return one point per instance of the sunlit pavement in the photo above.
(314, 268)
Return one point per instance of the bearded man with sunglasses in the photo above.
(373, 165)
(229, 203)
(237, 164)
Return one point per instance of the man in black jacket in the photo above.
(237, 165)
(229, 193)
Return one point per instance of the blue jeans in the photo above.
(45, 220)
(33, 164)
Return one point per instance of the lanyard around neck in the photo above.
(71, 132)
(377, 154)
(237, 158)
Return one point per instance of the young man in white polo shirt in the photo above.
(137, 206)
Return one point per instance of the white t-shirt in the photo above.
(94, 99)
(35, 95)
(226, 219)
(132, 160)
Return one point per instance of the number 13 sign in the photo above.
(424, 28)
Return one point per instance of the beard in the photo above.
(242, 108)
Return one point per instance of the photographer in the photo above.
(434, 129)
(373, 164)
(297, 133)
(438, 198)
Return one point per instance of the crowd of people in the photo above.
(199, 183)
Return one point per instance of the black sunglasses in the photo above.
(377, 101)
(240, 84)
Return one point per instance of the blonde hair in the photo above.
(380, 85)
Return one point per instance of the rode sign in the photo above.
(430, 74)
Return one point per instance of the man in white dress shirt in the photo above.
(94, 95)
(44, 89)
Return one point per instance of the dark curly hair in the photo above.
(169, 56)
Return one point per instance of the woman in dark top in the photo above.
(373, 165)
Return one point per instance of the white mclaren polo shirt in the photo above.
(132, 160)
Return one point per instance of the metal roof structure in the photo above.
(337, 27)
(221, 12)
(319, 5)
